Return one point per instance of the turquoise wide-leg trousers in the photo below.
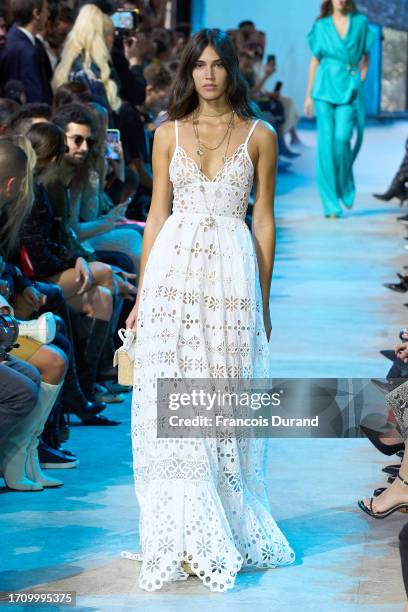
(335, 124)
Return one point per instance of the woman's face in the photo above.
(339, 5)
(210, 75)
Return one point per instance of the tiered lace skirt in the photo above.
(200, 316)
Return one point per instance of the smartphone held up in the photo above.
(112, 145)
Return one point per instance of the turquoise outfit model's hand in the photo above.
(339, 104)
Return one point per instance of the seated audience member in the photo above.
(86, 287)
(72, 92)
(22, 58)
(291, 116)
(44, 257)
(19, 388)
(78, 124)
(247, 35)
(19, 454)
(94, 217)
(269, 103)
(15, 90)
(134, 126)
(7, 109)
(32, 298)
(29, 114)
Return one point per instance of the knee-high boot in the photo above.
(48, 396)
(14, 455)
(88, 357)
(106, 371)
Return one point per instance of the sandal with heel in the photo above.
(381, 515)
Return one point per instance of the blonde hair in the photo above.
(87, 38)
(24, 200)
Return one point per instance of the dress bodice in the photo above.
(227, 194)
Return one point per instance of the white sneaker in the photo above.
(42, 329)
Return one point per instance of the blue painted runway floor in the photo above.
(330, 317)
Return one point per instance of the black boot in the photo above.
(397, 189)
(90, 337)
(51, 433)
(106, 371)
(73, 397)
(89, 355)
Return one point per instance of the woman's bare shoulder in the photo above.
(263, 142)
(265, 133)
(165, 132)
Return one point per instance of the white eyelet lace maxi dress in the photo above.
(200, 316)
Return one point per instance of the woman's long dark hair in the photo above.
(48, 142)
(183, 97)
(326, 8)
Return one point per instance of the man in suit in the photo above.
(24, 57)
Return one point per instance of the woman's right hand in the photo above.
(308, 106)
(83, 275)
(115, 215)
(131, 321)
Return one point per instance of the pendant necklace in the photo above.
(210, 222)
(201, 144)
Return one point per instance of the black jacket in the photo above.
(47, 256)
(22, 61)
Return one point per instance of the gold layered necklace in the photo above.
(201, 145)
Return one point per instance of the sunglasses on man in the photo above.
(79, 140)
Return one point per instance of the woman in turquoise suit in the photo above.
(340, 41)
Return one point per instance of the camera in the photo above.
(8, 334)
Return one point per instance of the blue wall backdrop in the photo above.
(286, 25)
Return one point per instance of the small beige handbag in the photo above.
(124, 357)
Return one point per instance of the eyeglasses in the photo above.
(79, 140)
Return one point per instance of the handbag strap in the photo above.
(127, 336)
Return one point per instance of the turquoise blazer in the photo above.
(337, 79)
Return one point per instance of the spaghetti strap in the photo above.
(251, 131)
(176, 130)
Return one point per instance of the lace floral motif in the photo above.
(200, 315)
